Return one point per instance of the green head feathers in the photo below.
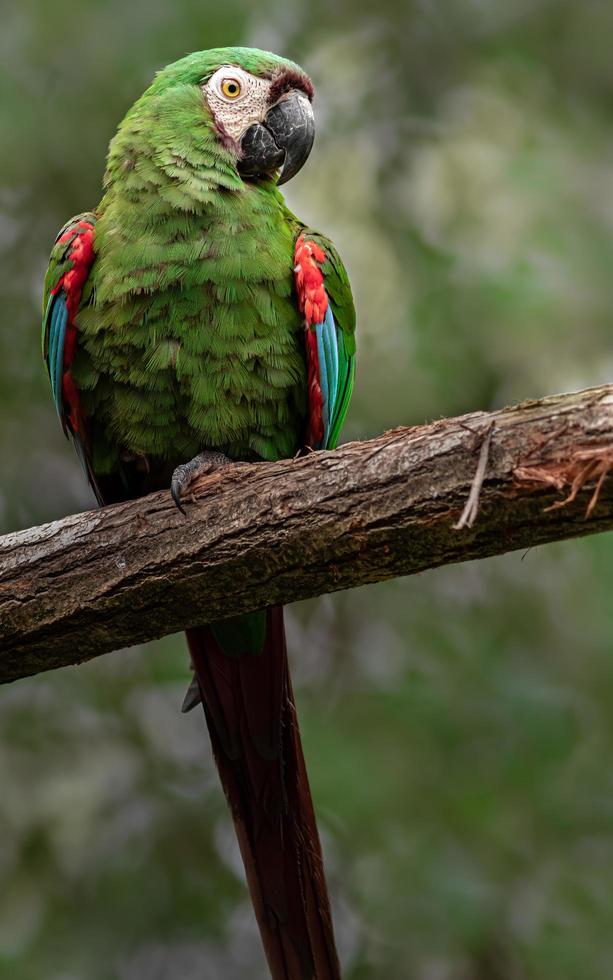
(197, 68)
(248, 111)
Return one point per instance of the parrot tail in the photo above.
(251, 716)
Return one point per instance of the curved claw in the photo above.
(193, 696)
(186, 473)
(175, 491)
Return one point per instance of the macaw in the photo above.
(189, 321)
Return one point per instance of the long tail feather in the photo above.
(251, 716)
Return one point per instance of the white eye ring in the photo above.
(230, 84)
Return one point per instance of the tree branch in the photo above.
(411, 499)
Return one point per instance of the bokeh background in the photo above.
(458, 725)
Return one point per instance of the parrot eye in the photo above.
(231, 88)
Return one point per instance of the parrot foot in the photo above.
(186, 473)
(193, 697)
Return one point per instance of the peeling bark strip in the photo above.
(276, 532)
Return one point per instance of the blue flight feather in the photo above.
(328, 355)
(52, 342)
(323, 381)
(57, 336)
(332, 348)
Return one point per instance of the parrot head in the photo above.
(257, 105)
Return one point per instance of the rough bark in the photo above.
(411, 499)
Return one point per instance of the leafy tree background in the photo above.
(458, 725)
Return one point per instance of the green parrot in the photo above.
(188, 321)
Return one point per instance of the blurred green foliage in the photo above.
(459, 725)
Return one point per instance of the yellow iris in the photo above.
(231, 88)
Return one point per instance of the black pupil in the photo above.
(232, 88)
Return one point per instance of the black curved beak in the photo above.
(282, 141)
